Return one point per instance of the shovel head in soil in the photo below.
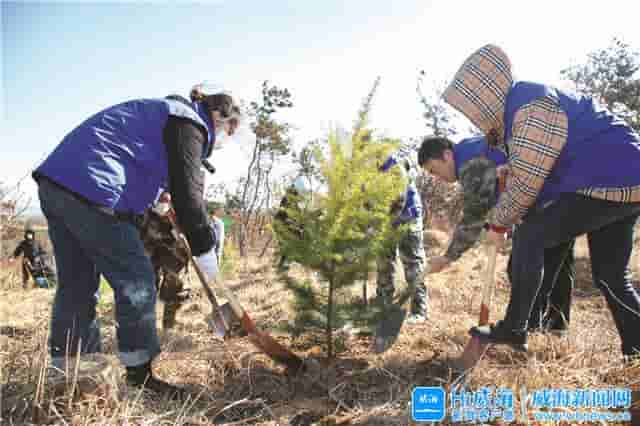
(218, 324)
(388, 328)
(475, 348)
(217, 321)
(472, 353)
(261, 340)
(224, 322)
(270, 346)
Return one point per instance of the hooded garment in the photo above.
(534, 131)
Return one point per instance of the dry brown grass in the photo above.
(233, 384)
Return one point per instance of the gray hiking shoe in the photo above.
(418, 307)
(416, 318)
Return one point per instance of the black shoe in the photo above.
(557, 326)
(499, 334)
(383, 301)
(141, 376)
(418, 312)
(283, 265)
(535, 325)
(416, 319)
(631, 355)
(283, 268)
(631, 360)
(558, 331)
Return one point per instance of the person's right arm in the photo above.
(184, 141)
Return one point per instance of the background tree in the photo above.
(437, 115)
(305, 164)
(612, 76)
(272, 143)
(439, 199)
(13, 204)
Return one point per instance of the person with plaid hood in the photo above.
(482, 174)
(573, 170)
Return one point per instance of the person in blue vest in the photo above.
(573, 170)
(406, 210)
(93, 189)
(479, 169)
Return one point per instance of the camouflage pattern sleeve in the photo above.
(478, 180)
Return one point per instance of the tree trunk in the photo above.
(242, 241)
(329, 332)
(266, 246)
(365, 299)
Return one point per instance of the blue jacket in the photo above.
(412, 207)
(117, 157)
(601, 150)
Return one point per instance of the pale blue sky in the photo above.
(62, 61)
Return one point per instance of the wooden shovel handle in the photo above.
(489, 281)
(261, 340)
(201, 276)
(237, 309)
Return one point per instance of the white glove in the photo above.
(161, 209)
(208, 262)
(163, 204)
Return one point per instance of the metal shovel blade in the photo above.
(388, 328)
(227, 314)
(472, 353)
(222, 321)
(218, 324)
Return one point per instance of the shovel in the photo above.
(221, 316)
(475, 348)
(388, 329)
(261, 340)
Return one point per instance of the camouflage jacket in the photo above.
(168, 255)
(478, 178)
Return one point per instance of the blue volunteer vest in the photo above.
(601, 151)
(474, 147)
(117, 157)
(412, 208)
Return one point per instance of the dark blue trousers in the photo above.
(609, 227)
(87, 244)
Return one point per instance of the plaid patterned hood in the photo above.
(479, 90)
